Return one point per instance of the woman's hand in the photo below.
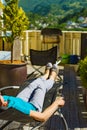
(2, 102)
(60, 101)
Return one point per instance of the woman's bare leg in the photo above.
(47, 70)
(54, 72)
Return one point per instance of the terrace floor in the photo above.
(74, 111)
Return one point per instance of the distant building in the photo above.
(84, 25)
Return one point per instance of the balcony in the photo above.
(75, 110)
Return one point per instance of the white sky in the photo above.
(3, 1)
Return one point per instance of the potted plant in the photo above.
(14, 21)
(83, 75)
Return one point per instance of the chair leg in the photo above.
(36, 70)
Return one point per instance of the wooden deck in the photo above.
(74, 111)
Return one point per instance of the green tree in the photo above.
(14, 20)
(83, 71)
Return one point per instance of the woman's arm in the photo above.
(48, 112)
(2, 102)
(45, 114)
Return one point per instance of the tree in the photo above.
(15, 21)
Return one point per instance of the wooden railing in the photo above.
(70, 42)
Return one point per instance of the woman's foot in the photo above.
(54, 72)
(47, 70)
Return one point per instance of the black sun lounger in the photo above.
(11, 114)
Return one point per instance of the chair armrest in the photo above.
(9, 87)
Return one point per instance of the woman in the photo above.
(30, 100)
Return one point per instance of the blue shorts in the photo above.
(19, 104)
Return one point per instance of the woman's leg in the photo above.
(27, 92)
(54, 72)
(47, 70)
(38, 96)
(52, 77)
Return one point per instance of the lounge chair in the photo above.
(11, 114)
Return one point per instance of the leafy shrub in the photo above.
(83, 71)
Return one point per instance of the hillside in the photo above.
(53, 12)
(59, 5)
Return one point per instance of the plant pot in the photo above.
(11, 75)
(74, 59)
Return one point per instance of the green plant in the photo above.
(83, 71)
(14, 20)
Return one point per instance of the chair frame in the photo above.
(20, 117)
(15, 115)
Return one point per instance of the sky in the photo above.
(3, 1)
